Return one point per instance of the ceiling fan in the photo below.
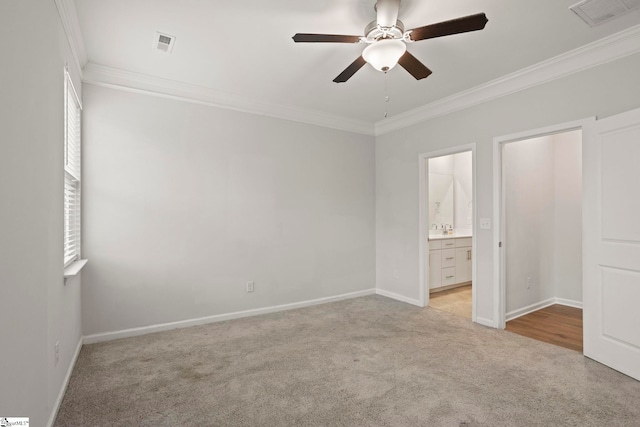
(387, 40)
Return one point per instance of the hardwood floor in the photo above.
(556, 324)
(456, 301)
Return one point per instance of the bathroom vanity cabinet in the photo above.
(450, 261)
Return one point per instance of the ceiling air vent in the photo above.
(163, 42)
(596, 12)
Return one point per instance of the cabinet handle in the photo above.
(469, 254)
(450, 277)
(449, 258)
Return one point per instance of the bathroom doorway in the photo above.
(541, 236)
(447, 245)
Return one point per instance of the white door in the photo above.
(611, 242)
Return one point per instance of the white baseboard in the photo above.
(529, 309)
(126, 333)
(540, 305)
(398, 297)
(569, 303)
(65, 383)
(486, 322)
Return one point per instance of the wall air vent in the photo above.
(596, 12)
(163, 42)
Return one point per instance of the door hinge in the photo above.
(500, 244)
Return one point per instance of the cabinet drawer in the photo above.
(450, 243)
(448, 276)
(435, 244)
(448, 258)
(463, 242)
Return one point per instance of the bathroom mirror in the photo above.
(440, 200)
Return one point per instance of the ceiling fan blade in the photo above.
(350, 70)
(416, 68)
(387, 12)
(446, 28)
(325, 38)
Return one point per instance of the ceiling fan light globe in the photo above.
(384, 54)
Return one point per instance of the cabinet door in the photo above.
(463, 265)
(435, 267)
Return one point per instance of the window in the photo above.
(72, 175)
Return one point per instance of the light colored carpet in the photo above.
(364, 362)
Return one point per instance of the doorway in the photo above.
(447, 221)
(539, 230)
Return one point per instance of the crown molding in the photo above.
(101, 75)
(69, 20)
(605, 50)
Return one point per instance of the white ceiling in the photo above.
(244, 48)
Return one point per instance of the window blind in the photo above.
(72, 175)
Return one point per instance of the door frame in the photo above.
(423, 220)
(499, 262)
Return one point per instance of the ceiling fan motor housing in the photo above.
(374, 32)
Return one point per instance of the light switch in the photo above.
(485, 223)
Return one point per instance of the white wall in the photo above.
(529, 198)
(601, 91)
(568, 215)
(37, 309)
(543, 210)
(442, 165)
(185, 203)
(463, 179)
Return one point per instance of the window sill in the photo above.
(74, 268)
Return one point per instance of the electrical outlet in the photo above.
(250, 286)
(528, 282)
(57, 351)
(396, 274)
